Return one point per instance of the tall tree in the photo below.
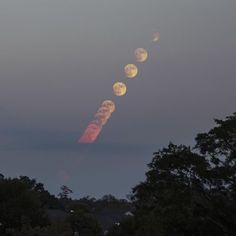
(173, 196)
(83, 221)
(219, 146)
(20, 203)
(189, 192)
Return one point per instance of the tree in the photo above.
(55, 229)
(219, 146)
(186, 191)
(65, 192)
(173, 194)
(20, 203)
(128, 227)
(1, 177)
(83, 221)
(220, 141)
(47, 200)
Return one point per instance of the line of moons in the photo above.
(106, 109)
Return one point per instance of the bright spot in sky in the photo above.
(141, 54)
(101, 117)
(90, 134)
(110, 105)
(105, 111)
(119, 89)
(156, 37)
(131, 70)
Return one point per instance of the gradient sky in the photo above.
(59, 60)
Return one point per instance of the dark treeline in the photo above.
(188, 191)
(27, 209)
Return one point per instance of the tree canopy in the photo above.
(188, 191)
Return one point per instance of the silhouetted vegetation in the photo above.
(27, 209)
(187, 192)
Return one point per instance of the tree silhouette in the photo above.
(20, 203)
(186, 191)
(65, 192)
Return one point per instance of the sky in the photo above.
(59, 60)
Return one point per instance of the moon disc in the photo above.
(141, 54)
(119, 89)
(109, 105)
(90, 134)
(131, 70)
(96, 122)
(103, 115)
(103, 110)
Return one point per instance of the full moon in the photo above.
(119, 89)
(109, 104)
(141, 54)
(102, 115)
(131, 70)
(102, 118)
(90, 134)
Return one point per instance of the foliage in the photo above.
(186, 192)
(56, 229)
(128, 228)
(20, 203)
(83, 221)
(65, 192)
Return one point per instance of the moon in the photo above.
(102, 115)
(141, 54)
(103, 110)
(102, 118)
(156, 37)
(131, 70)
(96, 122)
(109, 105)
(119, 89)
(90, 134)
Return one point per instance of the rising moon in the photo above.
(119, 89)
(131, 70)
(90, 134)
(156, 37)
(141, 54)
(109, 105)
(102, 115)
